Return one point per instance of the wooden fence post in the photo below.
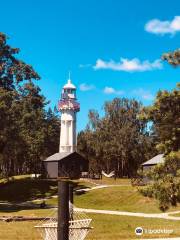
(63, 209)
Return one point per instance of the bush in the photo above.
(146, 191)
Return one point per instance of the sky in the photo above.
(112, 48)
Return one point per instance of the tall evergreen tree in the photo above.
(25, 126)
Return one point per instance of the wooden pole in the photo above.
(71, 199)
(63, 209)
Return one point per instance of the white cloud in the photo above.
(133, 65)
(157, 26)
(144, 94)
(110, 90)
(86, 87)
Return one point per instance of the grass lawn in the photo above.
(124, 198)
(123, 227)
(112, 181)
(18, 231)
(175, 214)
(24, 188)
(5, 180)
(105, 227)
(29, 212)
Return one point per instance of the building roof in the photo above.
(57, 156)
(66, 157)
(69, 85)
(155, 160)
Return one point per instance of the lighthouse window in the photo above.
(69, 90)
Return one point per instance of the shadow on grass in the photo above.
(19, 194)
(78, 188)
(9, 207)
(28, 189)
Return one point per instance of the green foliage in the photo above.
(146, 191)
(12, 70)
(118, 141)
(166, 181)
(167, 191)
(165, 116)
(25, 126)
(173, 58)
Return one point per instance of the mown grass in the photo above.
(118, 198)
(29, 212)
(27, 189)
(175, 214)
(124, 198)
(5, 180)
(123, 227)
(105, 227)
(24, 188)
(18, 231)
(112, 181)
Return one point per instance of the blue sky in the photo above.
(111, 47)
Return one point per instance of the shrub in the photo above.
(146, 191)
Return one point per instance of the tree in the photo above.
(12, 73)
(165, 115)
(12, 70)
(32, 125)
(25, 125)
(52, 130)
(173, 58)
(118, 141)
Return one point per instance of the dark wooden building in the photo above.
(65, 165)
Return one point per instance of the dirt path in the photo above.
(132, 214)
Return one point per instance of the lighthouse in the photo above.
(68, 106)
(67, 162)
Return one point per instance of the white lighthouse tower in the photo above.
(68, 106)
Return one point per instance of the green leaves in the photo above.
(118, 141)
(165, 115)
(173, 58)
(12, 70)
(27, 132)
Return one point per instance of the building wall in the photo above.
(148, 167)
(52, 169)
(68, 131)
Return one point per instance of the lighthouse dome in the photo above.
(69, 85)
